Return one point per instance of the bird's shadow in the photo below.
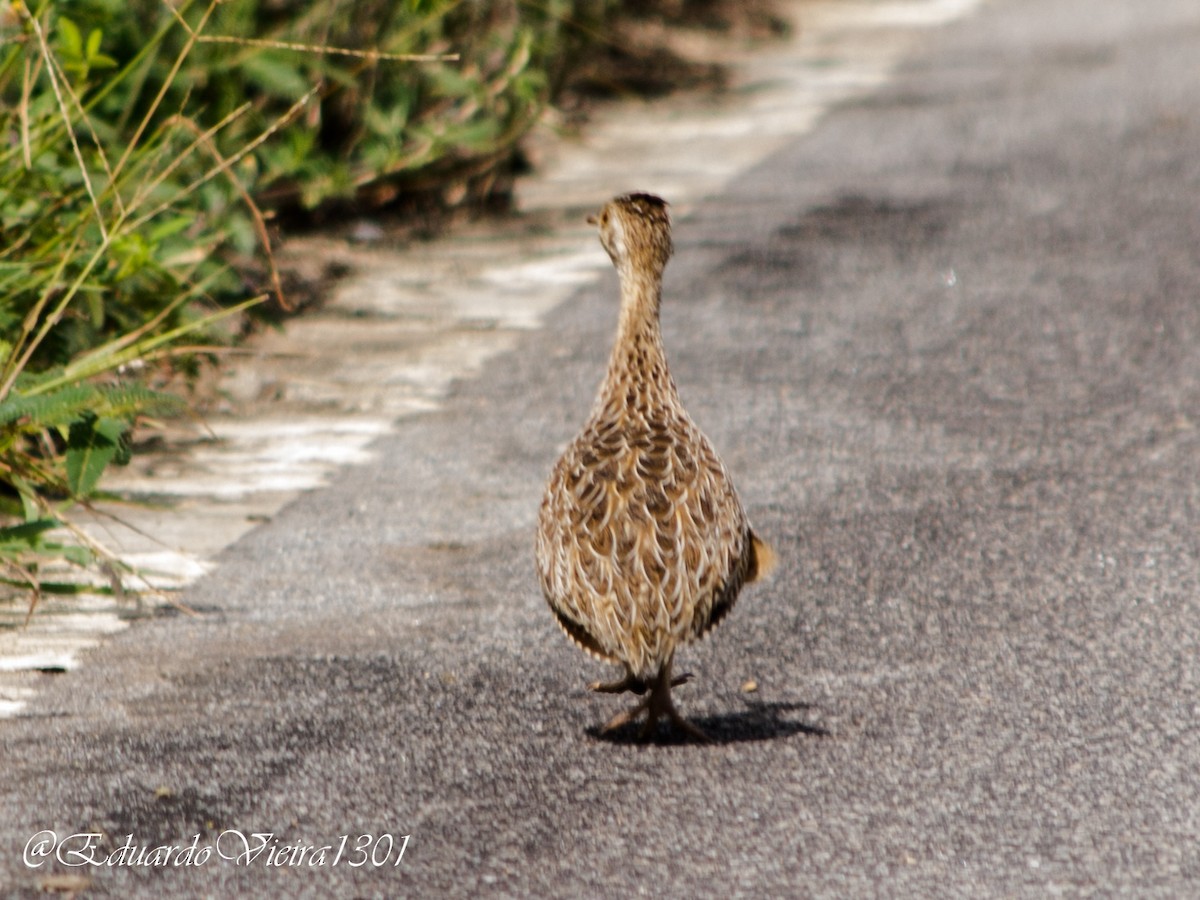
(757, 722)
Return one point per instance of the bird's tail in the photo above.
(764, 561)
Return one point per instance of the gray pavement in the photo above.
(947, 345)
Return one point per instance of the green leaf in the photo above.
(63, 588)
(95, 307)
(70, 39)
(25, 490)
(126, 401)
(92, 443)
(168, 228)
(25, 535)
(57, 408)
(272, 73)
(102, 61)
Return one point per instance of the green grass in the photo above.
(108, 267)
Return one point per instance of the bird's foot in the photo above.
(628, 683)
(656, 705)
(696, 734)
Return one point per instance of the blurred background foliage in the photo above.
(374, 123)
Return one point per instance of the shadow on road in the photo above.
(757, 722)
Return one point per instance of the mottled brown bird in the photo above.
(642, 543)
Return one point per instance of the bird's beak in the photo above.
(592, 220)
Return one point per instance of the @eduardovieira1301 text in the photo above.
(228, 847)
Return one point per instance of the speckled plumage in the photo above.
(642, 544)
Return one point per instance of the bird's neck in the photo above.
(638, 361)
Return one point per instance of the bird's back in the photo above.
(642, 541)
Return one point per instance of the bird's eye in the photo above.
(604, 218)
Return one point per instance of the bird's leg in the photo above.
(658, 704)
(628, 683)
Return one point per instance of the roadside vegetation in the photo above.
(148, 149)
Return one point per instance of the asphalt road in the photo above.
(948, 346)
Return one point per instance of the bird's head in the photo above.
(635, 229)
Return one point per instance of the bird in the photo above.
(642, 543)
